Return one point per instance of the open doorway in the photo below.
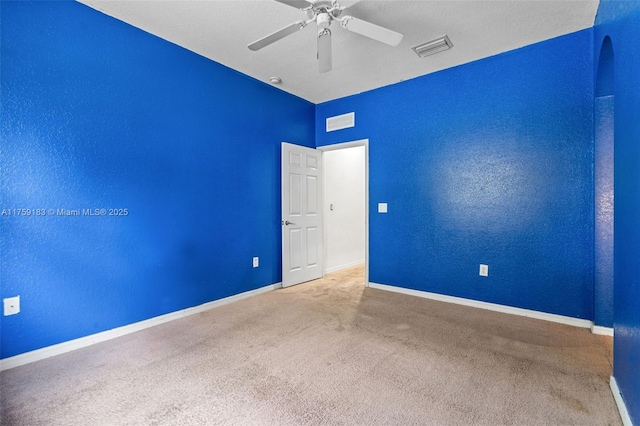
(345, 204)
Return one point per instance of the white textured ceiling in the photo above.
(220, 30)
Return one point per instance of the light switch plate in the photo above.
(484, 270)
(11, 305)
(256, 262)
(382, 207)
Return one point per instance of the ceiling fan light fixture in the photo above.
(434, 46)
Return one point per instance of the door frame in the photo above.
(344, 145)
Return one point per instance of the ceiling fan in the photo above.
(323, 12)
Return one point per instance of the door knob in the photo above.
(286, 222)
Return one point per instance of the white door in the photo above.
(301, 214)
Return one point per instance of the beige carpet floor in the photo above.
(328, 352)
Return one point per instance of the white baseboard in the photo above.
(605, 331)
(576, 322)
(345, 266)
(622, 408)
(60, 348)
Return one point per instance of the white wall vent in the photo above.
(340, 122)
(433, 46)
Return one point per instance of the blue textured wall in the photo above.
(620, 20)
(489, 162)
(98, 114)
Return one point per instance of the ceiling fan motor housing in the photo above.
(324, 6)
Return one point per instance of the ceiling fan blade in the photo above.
(370, 30)
(281, 33)
(298, 4)
(324, 50)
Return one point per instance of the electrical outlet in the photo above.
(256, 262)
(484, 270)
(11, 305)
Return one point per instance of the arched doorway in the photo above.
(604, 190)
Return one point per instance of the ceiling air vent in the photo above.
(433, 46)
(340, 122)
